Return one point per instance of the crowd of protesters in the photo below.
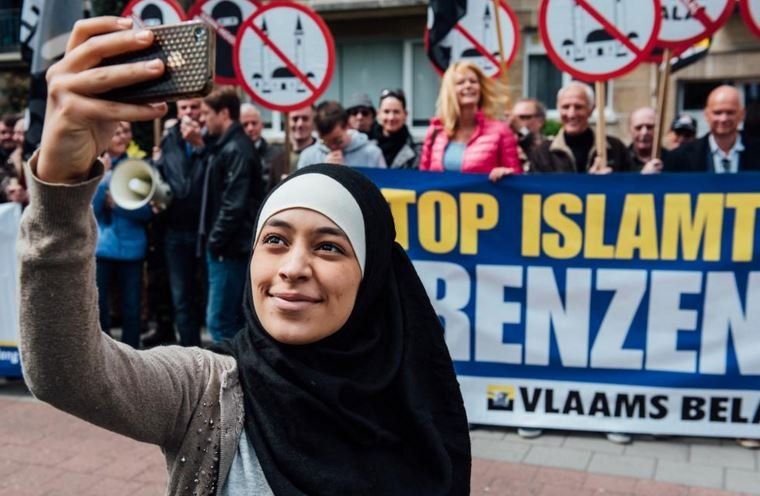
(219, 167)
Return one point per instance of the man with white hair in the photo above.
(574, 149)
(253, 125)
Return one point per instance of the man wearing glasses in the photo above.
(337, 143)
(362, 116)
(528, 117)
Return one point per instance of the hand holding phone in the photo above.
(188, 51)
(78, 123)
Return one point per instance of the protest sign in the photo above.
(155, 12)
(284, 56)
(474, 38)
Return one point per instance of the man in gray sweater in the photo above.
(337, 143)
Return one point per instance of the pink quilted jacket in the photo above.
(492, 145)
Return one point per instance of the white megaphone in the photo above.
(135, 183)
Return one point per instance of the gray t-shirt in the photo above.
(246, 476)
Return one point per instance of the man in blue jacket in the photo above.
(121, 248)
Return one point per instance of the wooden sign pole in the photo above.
(157, 132)
(662, 97)
(288, 145)
(601, 122)
(504, 76)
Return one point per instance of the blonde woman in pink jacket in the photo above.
(465, 135)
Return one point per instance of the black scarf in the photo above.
(373, 409)
(392, 144)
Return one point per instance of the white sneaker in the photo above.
(618, 437)
(529, 433)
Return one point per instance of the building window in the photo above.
(10, 24)
(544, 79)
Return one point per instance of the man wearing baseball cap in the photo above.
(362, 115)
(683, 129)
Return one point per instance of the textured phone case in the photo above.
(188, 50)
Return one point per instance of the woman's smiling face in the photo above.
(304, 276)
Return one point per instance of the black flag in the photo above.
(442, 17)
(45, 29)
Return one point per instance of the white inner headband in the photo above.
(325, 195)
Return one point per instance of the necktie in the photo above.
(725, 165)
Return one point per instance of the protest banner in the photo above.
(10, 217)
(594, 303)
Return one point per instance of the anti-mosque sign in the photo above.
(597, 40)
(155, 12)
(685, 22)
(226, 16)
(474, 37)
(751, 14)
(284, 56)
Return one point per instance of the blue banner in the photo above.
(613, 303)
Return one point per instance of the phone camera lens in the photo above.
(199, 33)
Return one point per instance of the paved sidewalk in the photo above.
(44, 452)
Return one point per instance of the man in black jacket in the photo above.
(232, 192)
(723, 150)
(181, 165)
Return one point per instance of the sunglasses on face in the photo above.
(525, 117)
(361, 111)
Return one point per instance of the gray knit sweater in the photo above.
(188, 401)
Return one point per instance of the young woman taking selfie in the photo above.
(340, 381)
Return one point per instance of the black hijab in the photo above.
(373, 409)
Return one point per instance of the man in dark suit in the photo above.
(723, 150)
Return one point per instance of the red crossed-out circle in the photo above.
(176, 7)
(640, 54)
(709, 25)
(196, 11)
(752, 23)
(515, 25)
(316, 91)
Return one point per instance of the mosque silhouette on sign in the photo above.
(282, 79)
(472, 54)
(587, 43)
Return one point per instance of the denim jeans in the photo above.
(128, 275)
(226, 284)
(183, 265)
